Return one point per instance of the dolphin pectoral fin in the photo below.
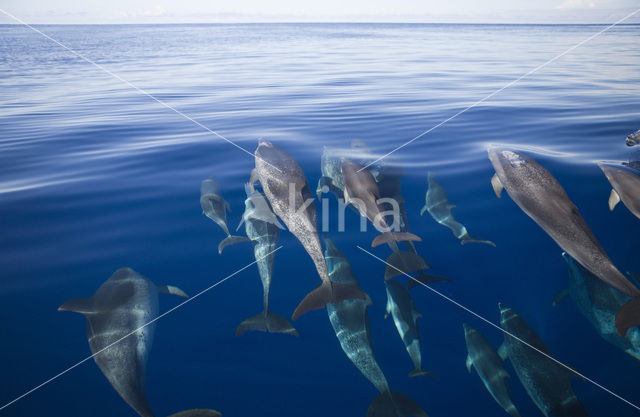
(416, 314)
(253, 178)
(394, 404)
(469, 363)
(231, 240)
(614, 199)
(240, 224)
(423, 210)
(390, 237)
(562, 294)
(326, 293)
(424, 279)
(502, 351)
(401, 262)
(497, 185)
(267, 321)
(422, 372)
(201, 412)
(468, 239)
(78, 305)
(628, 316)
(226, 205)
(171, 290)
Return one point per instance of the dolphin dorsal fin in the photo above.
(497, 185)
(469, 363)
(78, 305)
(170, 289)
(614, 199)
(502, 351)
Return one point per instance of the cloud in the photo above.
(577, 4)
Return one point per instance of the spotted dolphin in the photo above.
(350, 322)
(215, 207)
(285, 186)
(488, 365)
(119, 333)
(626, 188)
(405, 317)
(439, 207)
(542, 198)
(547, 383)
(633, 138)
(263, 229)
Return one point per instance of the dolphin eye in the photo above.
(514, 159)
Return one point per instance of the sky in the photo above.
(187, 11)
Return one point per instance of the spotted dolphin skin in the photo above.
(547, 383)
(542, 198)
(118, 310)
(405, 317)
(626, 188)
(634, 138)
(350, 322)
(285, 186)
(439, 207)
(483, 357)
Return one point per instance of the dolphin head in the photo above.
(330, 248)
(633, 139)
(209, 186)
(467, 329)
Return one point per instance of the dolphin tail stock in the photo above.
(628, 316)
(267, 321)
(231, 240)
(394, 404)
(327, 292)
(468, 239)
(422, 372)
(389, 237)
(423, 278)
(401, 262)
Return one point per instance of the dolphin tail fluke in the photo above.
(400, 262)
(628, 316)
(327, 293)
(394, 404)
(425, 279)
(267, 322)
(390, 237)
(200, 412)
(231, 240)
(468, 239)
(512, 411)
(422, 372)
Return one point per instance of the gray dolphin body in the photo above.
(286, 188)
(201, 412)
(633, 139)
(626, 187)
(542, 198)
(215, 207)
(439, 207)
(488, 365)
(121, 306)
(350, 322)
(405, 317)
(263, 229)
(547, 383)
(598, 303)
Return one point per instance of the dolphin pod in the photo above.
(285, 186)
(439, 207)
(547, 383)
(215, 207)
(488, 365)
(542, 198)
(626, 188)
(119, 333)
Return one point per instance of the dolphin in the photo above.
(262, 228)
(116, 314)
(362, 191)
(635, 165)
(438, 205)
(488, 364)
(350, 322)
(197, 413)
(598, 303)
(405, 317)
(634, 138)
(547, 383)
(285, 186)
(214, 207)
(542, 198)
(626, 187)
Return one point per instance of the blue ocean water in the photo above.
(95, 175)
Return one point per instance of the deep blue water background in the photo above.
(94, 176)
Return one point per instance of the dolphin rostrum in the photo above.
(547, 383)
(438, 205)
(201, 412)
(542, 198)
(361, 190)
(405, 317)
(119, 333)
(634, 138)
(262, 228)
(488, 364)
(350, 322)
(214, 207)
(285, 186)
(626, 187)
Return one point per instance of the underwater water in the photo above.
(95, 175)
